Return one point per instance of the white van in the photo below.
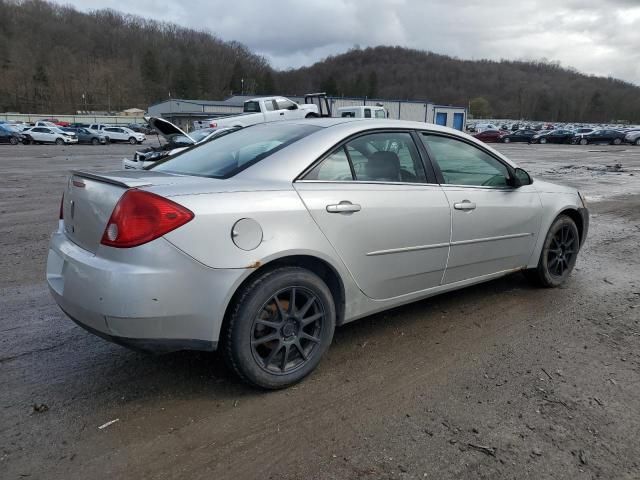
(364, 111)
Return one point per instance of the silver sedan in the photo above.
(262, 241)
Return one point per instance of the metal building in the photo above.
(184, 112)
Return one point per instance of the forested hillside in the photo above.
(51, 55)
(55, 59)
(504, 89)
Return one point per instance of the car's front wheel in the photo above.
(13, 141)
(637, 142)
(584, 141)
(506, 140)
(95, 141)
(281, 325)
(132, 141)
(559, 254)
(616, 141)
(59, 141)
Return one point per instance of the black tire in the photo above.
(59, 141)
(263, 310)
(13, 141)
(583, 141)
(616, 141)
(559, 254)
(637, 142)
(543, 140)
(311, 115)
(507, 140)
(95, 141)
(132, 140)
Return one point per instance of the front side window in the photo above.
(231, 153)
(376, 157)
(349, 114)
(464, 164)
(380, 114)
(367, 113)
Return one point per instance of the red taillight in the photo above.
(61, 217)
(140, 217)
(213, 125)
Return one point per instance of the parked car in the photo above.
(262, 110)
(99, 126)
(481, 127)
(603, 136)
(554, 136)
(519, 136)
(491, 136)
(176, 141)
(633, 137)
(367, 111)
(123, 134)
(49, 135)
(87, 136)
(10, 135)
(261, 242)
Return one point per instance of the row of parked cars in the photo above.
(45, 131)
(574, 135)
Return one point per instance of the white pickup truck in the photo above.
(261, 110)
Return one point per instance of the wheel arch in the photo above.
(320, 267)
(574, 215)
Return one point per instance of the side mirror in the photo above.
(521, 177)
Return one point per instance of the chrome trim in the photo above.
(490, 239)
(371, 182)
(407, 249)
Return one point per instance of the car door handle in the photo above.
(343, 207)
(464, 205)
(281, 113)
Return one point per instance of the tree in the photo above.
(480, 107)
(372, 91)
(329, 86)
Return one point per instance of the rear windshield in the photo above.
(232, 153)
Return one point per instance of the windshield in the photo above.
(232, 153)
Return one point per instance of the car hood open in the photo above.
(167, 129)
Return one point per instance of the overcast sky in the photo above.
(601, 37)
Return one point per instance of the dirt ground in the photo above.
(500, 380)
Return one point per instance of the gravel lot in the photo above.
(501, 380)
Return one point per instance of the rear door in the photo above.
(494, 226)
(388, 221)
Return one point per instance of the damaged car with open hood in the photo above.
(176, 141)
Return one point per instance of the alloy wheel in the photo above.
(287, 330)
(563, 247)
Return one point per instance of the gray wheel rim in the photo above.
(287, 331)
(562, 250)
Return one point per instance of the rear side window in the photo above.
(231, 153)
(350, 114)
(376, 157)
(367, 113)
(251, 107)
(380, 114)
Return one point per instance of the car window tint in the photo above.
(386, 157)
(284, 104)
(335, 167)
(380, 114)
(268, 105)
(232, 153)
(464, 164)
(367, 113)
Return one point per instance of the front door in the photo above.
(494, 226)
(389, 225)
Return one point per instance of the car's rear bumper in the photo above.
(152, 297)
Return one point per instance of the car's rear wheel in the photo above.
(637, 142)
(132, 141)
(280, 326)
(617, 141)
(59, 141)
(507, 140)
(95, 141)
(559, 254)
(584, 141)
(543, 140)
